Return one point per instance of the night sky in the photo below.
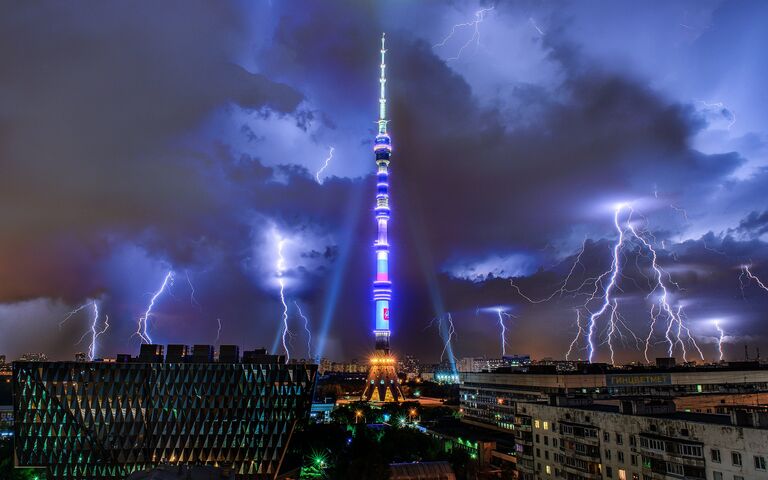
(138, 138)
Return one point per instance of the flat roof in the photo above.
(709, 418)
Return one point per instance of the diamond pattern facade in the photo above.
(105, 420)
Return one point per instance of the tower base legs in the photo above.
(382, 385)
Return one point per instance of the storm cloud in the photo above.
(137, 139)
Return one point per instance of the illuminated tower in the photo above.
(382, 384)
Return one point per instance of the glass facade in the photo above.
(107, 420)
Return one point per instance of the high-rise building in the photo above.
(382, 384)
(97, 420)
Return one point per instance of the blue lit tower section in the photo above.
(382, 384)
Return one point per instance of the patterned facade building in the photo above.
(96, 420)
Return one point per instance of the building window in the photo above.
(606, 437)
(553, 426)
(632, 441)
(538, 453)
(546, 454)
(691, 450)
(608, 472)
(620, 456)
(546, 425)
(622, 474)
(554, 442)
(675, 469)
(619, 439)
(760, 463)
(548, 468)
(738, 477)
(715, 454)
(652, 444)
(633, 459)
(736, 458)
(607, 454)
(538, 439)
(717, 475)
(536, 424)
(546, 440)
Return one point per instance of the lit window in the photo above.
(549, 470)
(536, 424)
(546, 425)
(622, 474)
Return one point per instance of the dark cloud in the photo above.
(94, 107)
(116, 144)
(755, 225)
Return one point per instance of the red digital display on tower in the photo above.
(386, 314)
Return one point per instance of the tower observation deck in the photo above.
(382, 384)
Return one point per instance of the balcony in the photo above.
(596, 475)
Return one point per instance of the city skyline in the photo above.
(205, 178)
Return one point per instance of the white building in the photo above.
(639, 441)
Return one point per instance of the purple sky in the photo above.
(138, 139)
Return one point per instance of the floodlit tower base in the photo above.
(382, 385)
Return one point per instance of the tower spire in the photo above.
(382, 82)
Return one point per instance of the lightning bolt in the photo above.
(607, 299)
(96, 333)
(218, 331)
(604, 286)
(474, 25)
(535, 26)
(681, 211)
(325, 165)
(720, 339)
(746, 271)
(93, 331)
(563, 289)
(673, 316)
(448, 337)
(306, 329)
(72, 313)
(143, 324)
(192, 298)
(280, 270)
(578, 335)
(501, 315)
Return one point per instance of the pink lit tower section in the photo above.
(382, 384)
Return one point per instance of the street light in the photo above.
(358, 414)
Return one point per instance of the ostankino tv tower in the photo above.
(382, 384)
